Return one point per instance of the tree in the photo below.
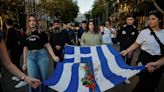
(102, 9)
(65, 10)
(13, 9)
(157, 6)
(9, 7)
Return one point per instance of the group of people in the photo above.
(151, 43)
(40, 44)
(36, 51)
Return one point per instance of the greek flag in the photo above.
(107, 65)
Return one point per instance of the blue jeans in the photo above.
(38, 67)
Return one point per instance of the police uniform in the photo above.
(127, 36)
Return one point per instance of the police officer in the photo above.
(127, 36)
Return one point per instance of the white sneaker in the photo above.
(139, 63)
(20, 84)
(15, 78)
(127, 81)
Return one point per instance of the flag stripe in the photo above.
(106, 70)
(69, 49)
(90, 64)
(77, 54)
(119, 58)
(55, 77)
(115, 68)
(70, 60)
(107, 66)
(102, 82)
(71, 56)
(73, 85)
(64, 81)
(81, 87)
(85, 50)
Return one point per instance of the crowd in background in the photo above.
(36, 42)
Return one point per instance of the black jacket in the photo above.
(127, 36)
(60, 38)
(12, 38)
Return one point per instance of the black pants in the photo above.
(59, 54)
(15, 58)
(127, 59)
(148, 81)
(1, 88)
(114, 40)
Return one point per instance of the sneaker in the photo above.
(139, 63)
(20, 84)
(14, 78)
(127, 81)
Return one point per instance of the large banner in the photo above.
(90, 69)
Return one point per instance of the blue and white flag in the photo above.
(109, 69)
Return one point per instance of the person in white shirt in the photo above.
(107, 33)
(150, 51)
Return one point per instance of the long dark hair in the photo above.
(159, 15)
(95, 26)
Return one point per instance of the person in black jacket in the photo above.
(127, 36)
(58, 38)
(11, 38)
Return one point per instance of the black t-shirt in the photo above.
(36, 40)
(58, 38)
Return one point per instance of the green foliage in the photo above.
(65, 10)
(9, 8)
(98, 8)
(102, 9)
